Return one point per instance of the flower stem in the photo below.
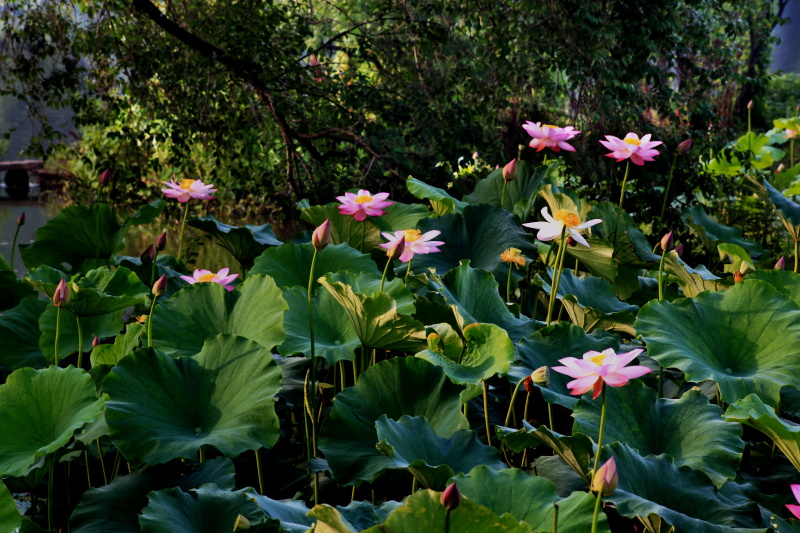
(150, 322)
(58, 327)
(50, 482)
(791, 164)
(486, 411)
(666, 191)
(602, 428)
(183, 227)
(795, 255)
(385, 270)
(503, 196)
(14, 245)
(408, 270)
(447, 522)
(313, 348)
(596, 511)
(363, 236)
(508, 284)
(511, 403)
(555, 518)
(660, 275)
(80, 341)
(258, 472)
(621, 197)
(557, 275)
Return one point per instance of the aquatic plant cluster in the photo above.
(429, 366)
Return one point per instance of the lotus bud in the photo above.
(61, 296)
(781, 264)
(528, 384)
(451, 498)
(780, 169)
(737, 277)
(149, 255)
(241, 524)
(606, 478)
(750, 104)
(160, 286)
(474, 155)
(95, 341)
(684, 147)
(161, 242)
(322, 235)
(21, 219)
(667, 242)
(510, 171)
(679, 250)
(541, 376)
(104, 177)
(397, 248)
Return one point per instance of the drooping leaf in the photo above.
(736, 257)
(362, 236)
(631, 246)
(10, 519)
(357, 516)
(441, 202)
(291, 513)
(598, 258)
(162, 408)
(692, 281)
(102, 291)
(711, 232)
(746, 338)
(369, 285)
(400, 216)
(244, 244)
(575, 450)
(253, 309)
(124, 344)
(787, 210)
(19, 329)
(12, 290)
(689, 429)
(41, 409)
(396, 387)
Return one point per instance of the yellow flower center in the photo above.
(206, 277)
(632, 140)
(598, 359)
(413, 235)
(569, 218)
(187, 184)
(363, 199)
(549, 126)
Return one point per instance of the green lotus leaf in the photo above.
(244, 244)
(166, 265)
(746, 338)
(787, 210)
(396, 387)
(368, 284)
(334, 336)
(10, 519)
(480, 233)
(19, 329)
(91, 326)
(736, 256)
(12, 290)
(357, 516)
(443, 340)
(597, 259)
(116, 506)
(291, 513)
(488, 351)
(411, 443)
(441, 202)
(162, 408)
(290, 264)
(785, 281)
(631, 246)
(576, 450)
(362, 236)
(102, 291)
(254, 309)
(682, 496)
(528, 499)
(711, 232)
(528, 179)
(46, 278)
(376, 318)
(547, 346)
(41, 409)
(208, 509)
(689, 429)
(692, 281)
(752, 411)
(475, 294)
(128, 342)
(401, 216)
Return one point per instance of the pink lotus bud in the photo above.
(510, 171)
(397, 248)
(160, 286)
(474, 155)
(322, 235)
(61, 296)
(781, 264)
(451, 498)
(104, 177)
(667, 242)
(684, 147)
(780, 169)
(95, 342)
(161, 242)
(606, 478)
(750, 104)
(149, 255)
(21, 219)
(679, 250)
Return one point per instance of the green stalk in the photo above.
(102, 463)
(557, 275)
(150, 322)
(508, 284)
(153, 277)
(58, 327)
(555, 518)
(385, 270)
(258, 471)
(602, 428)
(313, 350)
(666, 191)
(503, 195)
(511, 403)
(50, 481)
(791, 164)
(408, 270)
(621, 197)
(80, 341)
(363, 235)
(795, 255)
(183, 227)
(14, 245)
(596, 512)
(447, 522)
(486, 411)
(660, 274)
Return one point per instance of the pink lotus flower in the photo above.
(188, 189)
(638, 150)
(548, 136)
(206, 276)
(605, 480)
(552, 228)
(795, 509)
(362, 204)
(416, 242)
(597, 368)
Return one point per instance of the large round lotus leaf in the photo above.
(475, 294)
(102, 291)
(244, 244)
(785, 281)
(19, 329)
(253, 309)
(423, 511)
(397, 387)
(290, 264)
(208, 509)
(92, 326)
(162, 408)
(400, 216)
(746, 338)
(689, 429)
(479, 233)
(10, 519)
(291, 513)
(116, 507)
(334, 336)
(682, 496)
(40, 410)
(528, 499)
(488, 351)
(441, 201)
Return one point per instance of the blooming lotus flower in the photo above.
(188, 189)
(638, 150)
(548, 136)
(416, 242)
(552, 228)
(790, 134)
(597, 368)
(795, 509)
(362, 204)
(605, 480)
(206, 276)
(513, 255)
